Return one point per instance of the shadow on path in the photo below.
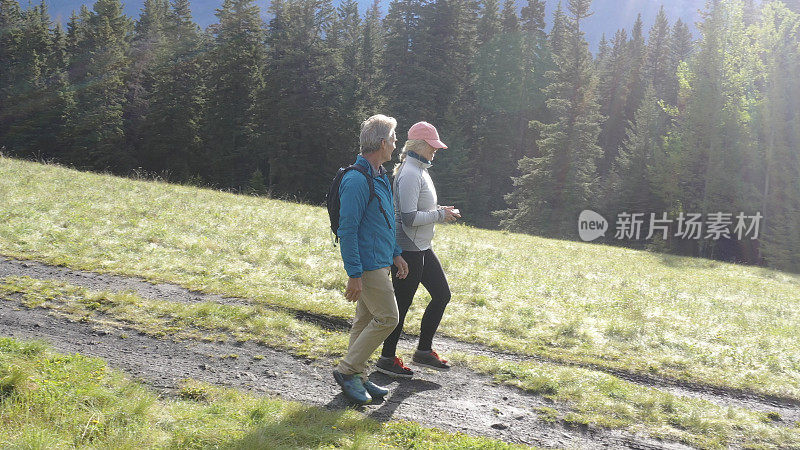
(404, 389)
(397, 394)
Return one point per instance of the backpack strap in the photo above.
(372, 193)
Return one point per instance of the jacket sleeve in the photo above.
(353, 197)
(397, 249)
(408, 187)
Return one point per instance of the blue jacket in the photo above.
(365, 240)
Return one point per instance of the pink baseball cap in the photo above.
(426, 132)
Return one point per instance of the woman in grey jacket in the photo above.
(417, 213)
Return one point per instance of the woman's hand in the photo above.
(451, 214)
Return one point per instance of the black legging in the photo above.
(423, 267)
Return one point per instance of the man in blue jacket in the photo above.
(369, 248)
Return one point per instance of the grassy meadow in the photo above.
(683, 318)
(52, 400)
(586, 396)
(686, 319)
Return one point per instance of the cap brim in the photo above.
(435, 143)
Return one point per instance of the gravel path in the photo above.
(459, 400)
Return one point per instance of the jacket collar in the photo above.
(419, 160)
(361, 161)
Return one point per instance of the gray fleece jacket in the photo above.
(415, 205)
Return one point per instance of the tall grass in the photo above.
(682, 318)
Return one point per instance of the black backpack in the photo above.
(332, 199)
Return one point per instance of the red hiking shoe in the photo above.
(393, 367)
(430, 360)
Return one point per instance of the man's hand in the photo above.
(353, 291)
(451, 214)
(402, 267)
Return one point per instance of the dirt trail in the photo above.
(789, 409)
(461, 400)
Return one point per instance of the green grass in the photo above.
(50, 400)
(605, 400)
(681, 318)
(199, 321)
(585, 396)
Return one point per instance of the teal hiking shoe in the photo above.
(375, 390)
(353, 387)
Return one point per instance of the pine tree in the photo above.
(532, 20)
(658, 70)
(372, 40)
(509, 20)
(505, 111)
(77, 37)
(715, 138)
(537, 61)
(660, 74)
(554, 187)
(53, 130)
(46, 104)
(257, 184)
(99, 40)
(446, 97)
(28, 92)
(147, 53)
(603, 50)
(490, 153)
(233, 76)
(172, 129)
(76, 63)
(301, 88)
(637, 166)
(402, 65)
(488, 31)
(346, 88)
(780, 139)
(11, 26)
(447, 39)
(636, 76)
(612, 96)
(559, 30)
(681, 48)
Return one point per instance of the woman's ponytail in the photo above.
(402, 158)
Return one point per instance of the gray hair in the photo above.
(414, 145)
(374, 130)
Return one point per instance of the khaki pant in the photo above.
(376, 318)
